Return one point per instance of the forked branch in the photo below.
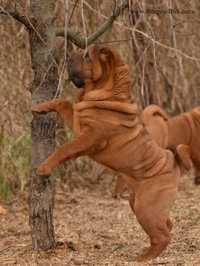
(80, 41)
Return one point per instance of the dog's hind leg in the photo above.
(184, 154)
(151, 210)
(197, 171)
(189, 160)
(159, 234)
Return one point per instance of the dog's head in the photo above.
(92, 65)
(97, 67)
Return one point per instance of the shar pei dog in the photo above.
(178, 133)
(108, 129)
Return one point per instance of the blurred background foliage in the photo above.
(164, 61)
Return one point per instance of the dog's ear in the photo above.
(103, 55)
(108, 54)
(109, 59)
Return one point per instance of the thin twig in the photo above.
(146, 36)
(4, 249)
(80, 42)
(84, 25)
(72, 13)
(16, 16)
(58, 90)
(114, 41)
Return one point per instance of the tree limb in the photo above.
(16, 16)
(80, 41)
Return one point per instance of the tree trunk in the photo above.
(43, 87)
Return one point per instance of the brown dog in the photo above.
(173, 131)
(108, 129)
(170, 132)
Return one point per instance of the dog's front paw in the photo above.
(38, 108)
(44, 170)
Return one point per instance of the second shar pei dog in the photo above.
(170, 132)
(108, 129)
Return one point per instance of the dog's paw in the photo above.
(143, 258)
(38, 108)
(35, 108)
(44, 170)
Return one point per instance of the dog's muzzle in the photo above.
(78, 82)
(76, 77)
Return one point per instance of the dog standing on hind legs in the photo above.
(108, 129)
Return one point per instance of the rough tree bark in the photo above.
(43, 87)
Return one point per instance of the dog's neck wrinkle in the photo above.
(116, 87)
(122, 85)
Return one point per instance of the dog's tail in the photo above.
(153, 110)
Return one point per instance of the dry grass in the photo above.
(98, 230)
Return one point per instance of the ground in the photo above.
(98, 230)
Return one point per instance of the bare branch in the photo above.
(71, 35)
(155, 42)
(72, 13)
(80, 41)
(16, 16)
